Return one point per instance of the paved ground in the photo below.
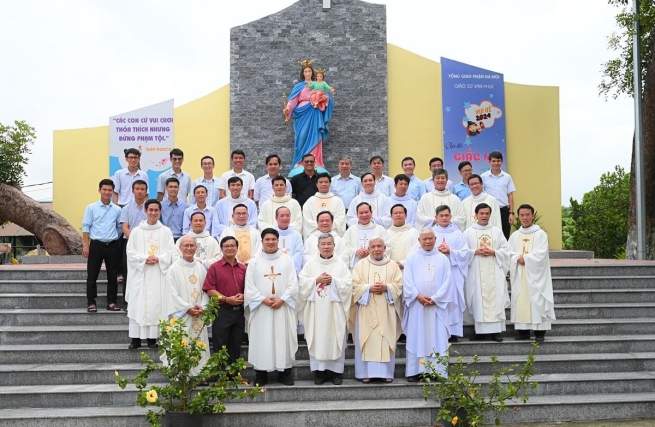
(620, 423)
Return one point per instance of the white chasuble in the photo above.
(380, 206)
(208, 251)
(324, 309)
(321, 202)
(375, 318)
(532, 286)
(271, 332)
(427, 327)
(266, 217)
(250, 241)
(224, 209)
(471, 202)
(147, 293)
(459, 257)
(485, 289)
(358, 236)
(430, 201)
(402, 242)
(185, 280)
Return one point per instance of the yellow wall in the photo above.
(415, 129)
(81, 156)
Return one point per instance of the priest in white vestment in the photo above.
(250, 242)
(375, 314)
(186, 299)
(207, 249)
(358, 235)
(429, 299)
(280, 198)
(529, 272)
(325, 224)
(477, 197)
(322, 201)
(290, 242)
(270, 305)
(323, 308)
(149, 255)
(380, 203)
(225, 207)
(485, 289)
(400, 196)
(425, 216)
(402, 237)
(451, 242)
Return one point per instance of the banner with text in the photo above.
(473, 116)
(149, 130)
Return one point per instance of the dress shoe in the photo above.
(261, 379)
(285, 379)
(539, 339)
(453, 339)
(497, 337)
(337, 380)
(136, 343)
(522, 337)
(152, 343)
(413, 379)
(319, 378)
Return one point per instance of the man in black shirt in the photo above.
(303, 185)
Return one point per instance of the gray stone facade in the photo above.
(349, 41)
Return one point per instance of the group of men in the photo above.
(325, 256)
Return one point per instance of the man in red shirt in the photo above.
(226, 279)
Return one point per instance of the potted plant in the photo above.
(181, 402)
(467, 402)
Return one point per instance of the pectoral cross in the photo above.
(285, 250)
(428, 278)
(272, 276)
(428, 266)
(525, 251)
(365, 241)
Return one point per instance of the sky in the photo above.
(73, 63)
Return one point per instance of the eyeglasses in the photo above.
(229, 246)
(177, 159)
(240, 213)
(309, 161)
(188, 246)
(208, 164)
(132, 157)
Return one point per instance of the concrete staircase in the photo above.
(57, 362)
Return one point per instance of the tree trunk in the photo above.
(57, 235)
(648, 109)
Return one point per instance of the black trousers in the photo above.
(228, 330)
(110, 253)
(504, 219)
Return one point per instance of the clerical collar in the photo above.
(281, 199)
(481, 227)
(533, 228)
(204, 233)
(422, 251)
(445, 192)
(400, 198)
(287, 230)
(187, 262)
(384, 260)
(374, 193)
(447, 229)
(482, 195)
(239, 199)
(144, 224)
(322, 257)
(368, 226)
(268, 256)
(240, 227)
(403, 227)
(327, 195)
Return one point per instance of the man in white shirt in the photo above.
(425, 216)
(124, 178)
(264, 184)
(200, 193)
(499, 184)
(208, 180)
(238, 160)
(177, 158)
(225, 207)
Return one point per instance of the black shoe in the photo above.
(540, 339)
(319, 379)
(152, 343)
(453, 338)
(522, 337)
(284, 379)
(301, 338)
(477, 337)
(402, 338)
(136, 343)
(497, 337)
(261, 379)
(414, 379)
(337, 380)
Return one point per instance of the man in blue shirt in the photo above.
(172, 209)
(101, 230)
(416, 186)
(345, 185)
(462, 189)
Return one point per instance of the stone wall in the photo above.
(349, 41)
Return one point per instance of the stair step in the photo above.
(605, 310)
(601, 267)
(603, 282)
(603, 296)
(60, 317)
(49, 286)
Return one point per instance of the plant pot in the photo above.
(182, 419)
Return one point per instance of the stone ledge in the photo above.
(54, 259)
(571, 254)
